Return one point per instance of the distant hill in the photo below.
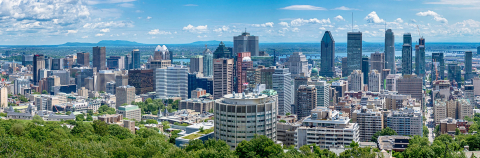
(104, 43)
(212, 43)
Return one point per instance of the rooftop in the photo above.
(128, 107)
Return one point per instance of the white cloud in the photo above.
(148, 17)
(94, 2)
(339, 18)
(126, 5)
(221, 29)
(283, 24)
(344, 8)
(108, 24)
(158, 32)
(413, 21)
(322, 28)
(468, 23)
(373, 18)
(436, 17)
(85, 37)
(295, 30)
(190, 5)
(300, 22)
(99, 34)
(399, 20)
(105, 30)
(199, 28)
(303, 7)
(268, 24)
(199, 36)
(71, 31)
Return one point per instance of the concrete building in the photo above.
(130, 112)
(393, 143)
(222, 77)
(282, 83)
(81, 73)
(124, 95)
(406, 121)
(439, 110)
(20, 84)
(390, 51)
(223, 52)
(327, 67)
(199, 105)
(305, 100)
(121, 80)
(395, 101)
(142, 80)
(99, 58)
(369, 122)
(326, 128)
(104, 76)
(116, 62)
(455, 74)
(57, 64)
(374, 81)
(51, 82)
(464, 108)
(469, 93)
(392, 82)
(255, 114)
(355, 81)
(244, 62)
(196, 64)
(354, 51)
(27, 60)
(297, 63)
(323, 92)
(111, 87)
(245, 43)
(83, 59)
(162, 53)
(407, 54)
(286, 133)
(64, 76)
(172, 82)
(3, 97)
(82, 92)
(410, 85)
(377, 61)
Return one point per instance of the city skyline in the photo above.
(177, 22)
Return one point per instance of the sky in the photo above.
(49, 22)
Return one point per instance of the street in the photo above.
(429, 123)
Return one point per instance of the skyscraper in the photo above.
(124, 94)
(207, 62)
(222, 77)
(57, 64)
(327, 68)
(128, 62)
(365, 69)
(245, 43)
(437, 58)
(354, 51)
(244, 62)
(468, 65)
(142, 80)
(407, 54)
(38, 64)
(282, 83)
(344, 67)
(377, 61)
(136, 59)
(222, 52)
(83, 59)
(305, 100)
(196, 64)
(172, 82)
(323, 92)
(116, 62)
(355, 81)
(297, 63)
(104, 76)
(389, 51)
(99, 58)
(374, 81)
(420, 58)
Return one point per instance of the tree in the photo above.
(259, 146)
(287, 114)
(457, 131)
(282, 121)
(100, 127)
(151, 121)
(17, 129)
(195, 145)
(119, 132)
(425, 131)
(37, 119)
(69, 112)
(44, 92)
(89, 118)
(166, 125)
(105, 109)
(80, 117)
(384, 132)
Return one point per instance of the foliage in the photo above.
(3, 114)
(288, 114)
(425, 131)
(151, 121)
(44, 92)
(282, 121)
(37, 119)
(105, 109)
(22, 98)
(151, 106)
(384, 132)
(166, 125)
(457, 131)
(182, 124)
(68, 113)
(80, 117)
(89, 118)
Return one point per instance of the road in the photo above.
(429, 123)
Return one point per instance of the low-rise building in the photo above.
(130, 112)
(199, 105)
(395, 143)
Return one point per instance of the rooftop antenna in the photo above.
(245, 30)
(352, 21)
(385, 26)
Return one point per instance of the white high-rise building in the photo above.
(323, 92)
(20, 84)
(374, 81)
(297, 63)
(355, 81)
(172, 82)
(282, 83)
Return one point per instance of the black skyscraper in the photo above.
(99, 58)
(327, 68)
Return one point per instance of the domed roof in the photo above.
(247, 59)
(207, 51)
(315, 70)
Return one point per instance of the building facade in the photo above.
(222, 77)
(245, 43)
(327, 68)
(390, 51)
(407, 54)
(99, 58)
(354, 51)
(172, 82)
(282, 83)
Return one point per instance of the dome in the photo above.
(162, 49)
(247, 59)
(314, 71)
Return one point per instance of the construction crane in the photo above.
(418, 29)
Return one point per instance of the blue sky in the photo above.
(177, 21)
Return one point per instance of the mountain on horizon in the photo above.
(212, 42)
(104, 43)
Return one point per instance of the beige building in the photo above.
(286, 133)
(464, 108)
(451, 109)
(196, 64)
(82, 92)
(130, 125)
(104, 76)
(222, 77)
(410, 85)
(125, 94)
(439, 111)
(355, 81)
(199, 105)
(130, 112)
(3, 97)
(369, 122)
(374, 78)
(396, 101)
